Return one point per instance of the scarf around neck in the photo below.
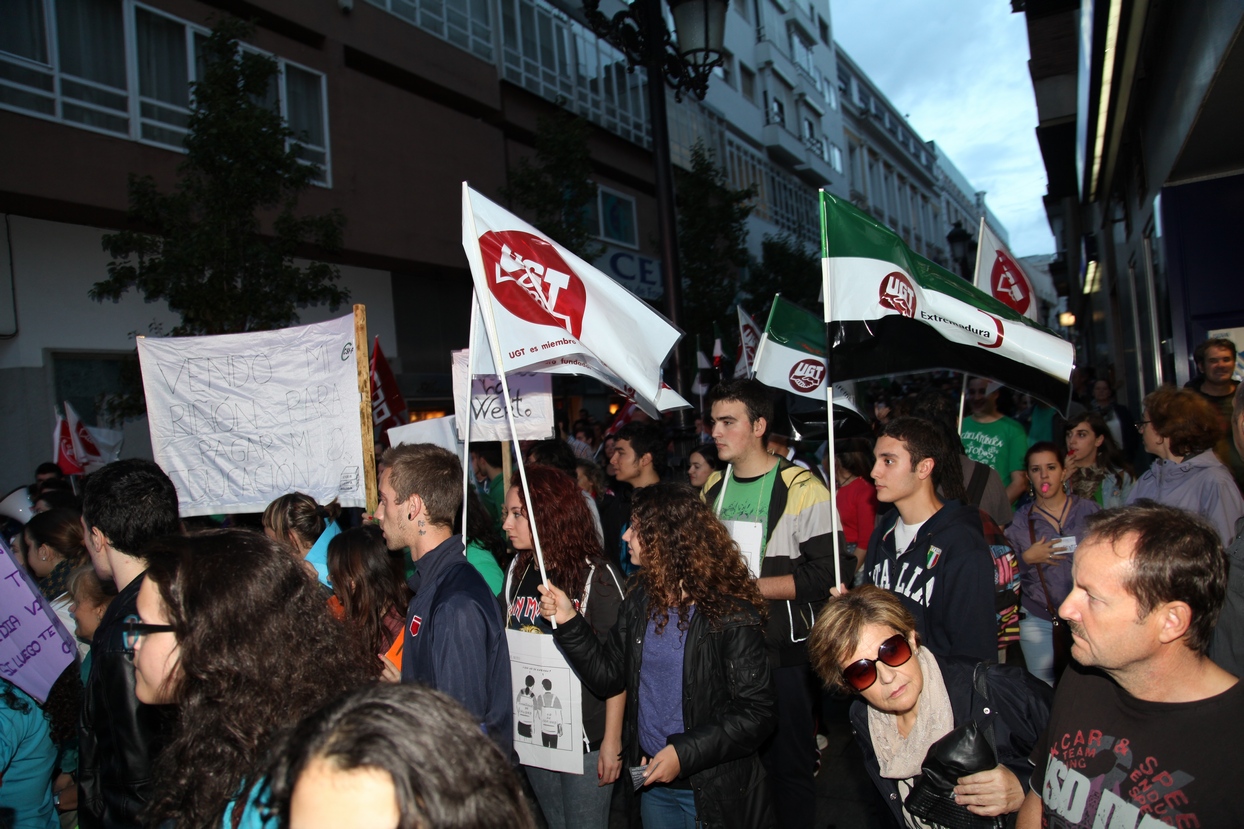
(901, 757)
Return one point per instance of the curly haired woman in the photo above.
(694, 616)
(573, 558)
(1181, 427)
(234, 631)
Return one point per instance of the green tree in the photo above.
(556, 188)
(712, 244)
(203, 248)
(788, 267)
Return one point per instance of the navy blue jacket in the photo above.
(455, 639)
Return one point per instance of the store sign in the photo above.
(639, 274)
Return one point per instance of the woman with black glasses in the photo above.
(234, 631)
(865, 643)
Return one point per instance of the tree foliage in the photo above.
(712, 243)
(202, 248)
(787, 267)
(556, 188)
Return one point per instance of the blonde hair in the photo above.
(836, 634)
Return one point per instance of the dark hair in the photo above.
(1043, 446)
(398, 729)
(49, 468)
(564, 523)
(1188, 421)
(595, 476)
(836, 634)
(1176, 557)
(938, 408)
(708, 451)
(923, 439)
(482, 528)
(645, 439)
(554, 453)
(685, 547)
(59, 499)
(1198, 354)
(299, 515)
(60, 529)
(755, 396)
(1109, 456)
(131, 502)
(490, 451)
(258, 650)
(432, 473)
(856, 456)
(63, 705)
(368, 582)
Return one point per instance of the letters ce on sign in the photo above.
(639, 274)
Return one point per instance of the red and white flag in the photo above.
(1000, 276)
(547, 310)
(749, 338)
(93, 446)
(388, 407)
(62, 448)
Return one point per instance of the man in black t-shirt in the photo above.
(1145, 733)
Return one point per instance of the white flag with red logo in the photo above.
(1000, 276)
(94, 446)
(63, 454)
(749, 338)
(552, 312)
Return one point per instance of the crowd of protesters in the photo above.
(1030, 605)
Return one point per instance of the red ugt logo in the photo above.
(530, 279)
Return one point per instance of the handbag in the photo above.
(967, 749)
(1061, 631)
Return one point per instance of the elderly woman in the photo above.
(1181, 427)
(865, 643)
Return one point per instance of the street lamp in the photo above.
(960, 241)
(685, 64)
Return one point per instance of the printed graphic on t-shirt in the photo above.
(907, 582)
(1094, 779)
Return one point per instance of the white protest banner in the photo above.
(547, 699)
(240, 419)
(441, 431)
(531, 398)
(35, 648)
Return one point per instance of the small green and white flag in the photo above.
(891, 311)
(791, 354)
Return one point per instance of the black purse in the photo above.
(1062, 632)
(966, 750)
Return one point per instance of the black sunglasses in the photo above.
(133, 627)
(894, 651)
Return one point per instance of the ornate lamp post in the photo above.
(960, 242)
(685, 63)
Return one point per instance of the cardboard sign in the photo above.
(35, 648)
(531, 400)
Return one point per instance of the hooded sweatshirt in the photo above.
(945, 578)
(1200, 484)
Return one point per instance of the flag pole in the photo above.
(829, 415)
(976, 282)
(494, 345)
(366, 421)
(470, 415)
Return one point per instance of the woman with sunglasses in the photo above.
(865, 643)
(703, 702)
(234, 631)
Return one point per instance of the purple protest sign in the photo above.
(35, 648)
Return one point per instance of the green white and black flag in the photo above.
(891, 311)
(791, 353)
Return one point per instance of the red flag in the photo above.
(62, 448)
(624, 416)
(388, 407)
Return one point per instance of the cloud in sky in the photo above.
(958, 69)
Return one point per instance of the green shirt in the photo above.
(747, 499)
(1000, 444)
(487, 566)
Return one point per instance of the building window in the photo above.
(801, 53)
(835, 157)
(116, 58)
(466, 24)
(824, 30)
(615, 217)
(747, 83)
(726, 70)
(775, 110)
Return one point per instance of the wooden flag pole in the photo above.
(363, 365)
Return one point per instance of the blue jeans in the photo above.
(1036, 640)
(571, 801)
(664, 808)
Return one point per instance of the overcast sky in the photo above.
(958, 69)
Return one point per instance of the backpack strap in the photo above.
(977, 483)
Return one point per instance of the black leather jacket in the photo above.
(729, 705)
(119, 737)
(1017, 709)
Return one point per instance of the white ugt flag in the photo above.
(553, 312)
(1000, 276)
